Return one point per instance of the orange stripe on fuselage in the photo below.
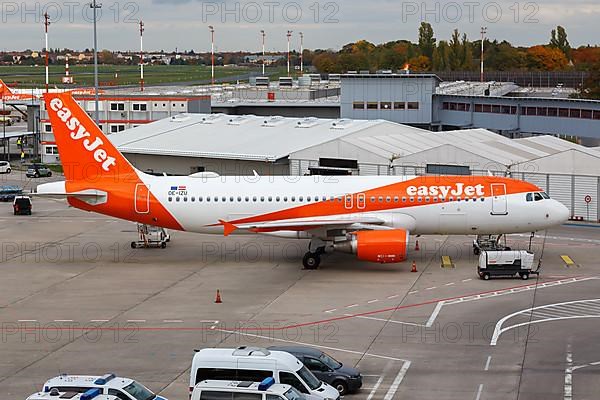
(399, 189)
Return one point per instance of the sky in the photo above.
(183, 24)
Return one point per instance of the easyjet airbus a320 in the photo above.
(8, 94)
(367, 216)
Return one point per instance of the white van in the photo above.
(236, 390)
(255, 364)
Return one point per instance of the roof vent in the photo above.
(54, 392)
(211, 119)
(307, 122)
(273, 121)
(239, 120)
(180, 118)
(341, 123)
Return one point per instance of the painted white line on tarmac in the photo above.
(384, 320)
(374, 390)
(479, 391)
(63, 320)
(352, 306)
(330, 311)
(393, 296)
(314, 345)
(172, 321)
(568, 389)
(431, 288)
(434, 314)
(372, 301)
(487, 363)
(98, 320)
(413, 292)
(136, 320)
(27, 320)
(449, 284)
(396, 384)
(467, 280)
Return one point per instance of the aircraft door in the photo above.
(348, 201)
(142, 199)
(499, 206)
(361, 202)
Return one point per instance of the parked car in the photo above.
(38, 170)
(9, 192)
(5, 167)
(326, 368)
(22, 205)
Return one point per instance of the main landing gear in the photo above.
(312, 258)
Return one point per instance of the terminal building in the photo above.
(422, 100)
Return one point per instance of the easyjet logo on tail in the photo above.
(78, 132)
(458, 189)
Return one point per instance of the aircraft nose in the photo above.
(559, 213)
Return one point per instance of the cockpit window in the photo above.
(529, 197)
(537, 196)
(545, 195)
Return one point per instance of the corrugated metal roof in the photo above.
(224, 136)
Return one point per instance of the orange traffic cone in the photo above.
(414, 267)
(417, 246)
(218, 299)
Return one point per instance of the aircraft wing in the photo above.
(357, 222)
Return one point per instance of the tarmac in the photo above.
(76, 298)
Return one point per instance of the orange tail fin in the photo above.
(85, 152)
(92, 163)
(4, 90)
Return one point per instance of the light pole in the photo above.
(263, 34)
(141, 56)
(212, 53)
(4, 128)
(301, 53)
(483, 32)
(46, 24)
(289, 35)
(94, 6)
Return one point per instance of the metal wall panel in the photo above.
(540, 180)
(560, 189)
(586, 186)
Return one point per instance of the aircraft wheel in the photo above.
(133, 245)
(311, 260)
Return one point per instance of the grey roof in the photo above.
(247, 137)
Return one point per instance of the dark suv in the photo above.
(326, 368)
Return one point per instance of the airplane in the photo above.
(8, 94)
(369, 216)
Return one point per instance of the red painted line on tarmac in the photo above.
(271, 329)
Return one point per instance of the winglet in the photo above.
(228, 227)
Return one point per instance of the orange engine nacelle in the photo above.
(378, 246)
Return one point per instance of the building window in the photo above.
(51, 150)
(542, 111)
(48, 128)
(117, 128)
(399, 105)
(596, 114)
(478, 107)
(372, 105)
(586, 114)
(386, 105)
(496, 109)
(574, 113)
(412, 105)
(117, 106)
(140, 107)
(563, 112)
(358, 105)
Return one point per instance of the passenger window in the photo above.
(214, 395)
(529, 197)
(293, 198)
(239, 199)
(380, 199)
(396, 199)
(118, 393)
(404, 199)
(252, 375)
(301, 198)
(170, 199)
(193, 199)
(388, 199)
(176, 198)
(372, 199)
(270, 198)
(285, 198)
(291, 379)
(224, 199)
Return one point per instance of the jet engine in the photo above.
(389, 246)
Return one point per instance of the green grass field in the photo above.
(116, 75)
